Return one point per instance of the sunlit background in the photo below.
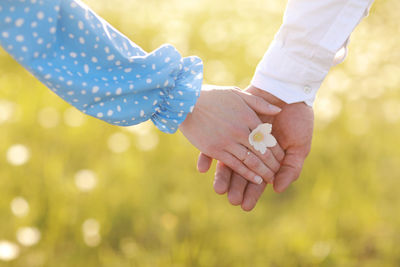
(75, 191)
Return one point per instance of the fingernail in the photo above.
(275, 108)
(258, 179)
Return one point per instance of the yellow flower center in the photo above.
(258, 137)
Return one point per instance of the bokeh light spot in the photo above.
(90, 230)
(119, 143)
(85, 180)
(18, 155)
(73, 117)
(19, 207)
(48, 117)
(28, 236)
(8, 250)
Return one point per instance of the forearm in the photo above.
(312, 38)
(95, 68)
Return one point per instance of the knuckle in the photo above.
(239, 133)
(253, 163)
(268, 176)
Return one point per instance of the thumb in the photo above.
(204, 163)
(258, 104)
(289, 172)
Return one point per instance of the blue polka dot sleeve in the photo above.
(92, 66)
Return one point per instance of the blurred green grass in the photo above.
(151, 208)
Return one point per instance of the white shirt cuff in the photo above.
(277, 71)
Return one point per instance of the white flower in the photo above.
(261, 138)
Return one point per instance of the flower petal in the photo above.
(265, 127)
(270, 141)
(261, 147)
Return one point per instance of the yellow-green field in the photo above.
(141, 202)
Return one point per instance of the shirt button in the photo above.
(307, 89)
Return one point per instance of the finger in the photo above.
(254, 163)
(236, 189)
(290, 170)
(222, 178)
(258, 104)
(268, 158)
(237, 166)
(204, 163)
(278, 152)
(251, 196)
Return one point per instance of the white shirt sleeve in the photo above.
(312, 38)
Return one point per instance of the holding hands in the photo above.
(292, 127)
(220, 125)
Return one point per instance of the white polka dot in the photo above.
(86, 68)
(119, 91)
(127, 70)
(110, 112)
(19, 22)
(110, 57)
(40, 41)
(34, 24)
(167, 60)
(166, 83)
(97, 99)
(107, 49)
(153, 66)
(100, 115)
(81, 40)
(73, 4)
(7, 19)
(73, 54)
(40, 15)
(47, 76)
(119, 108)
(80, 25)
(53, 30)
(94, 60)
(148, 81)
(5, 34)
(69, 83)
(19, 38)
(95, 89)
(142, 113)
(131, 86)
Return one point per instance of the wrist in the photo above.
(270, 98)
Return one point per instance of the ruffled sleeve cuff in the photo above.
(180, 96)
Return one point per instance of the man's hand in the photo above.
(293, 128)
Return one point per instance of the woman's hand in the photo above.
(219, 126)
